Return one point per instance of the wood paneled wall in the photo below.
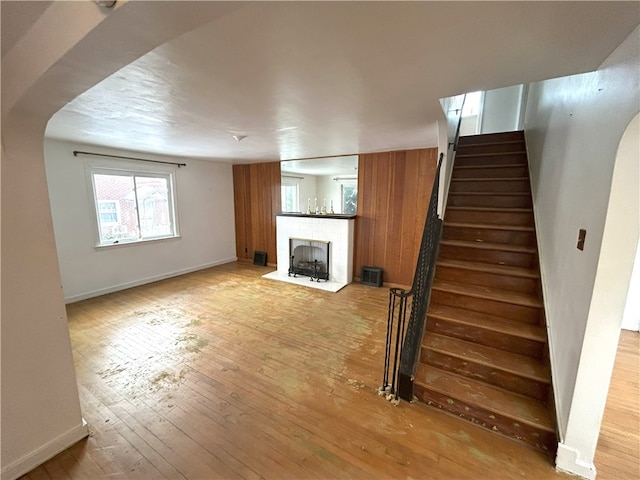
(256, 193)
(393, 197)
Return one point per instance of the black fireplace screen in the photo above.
(310, 258)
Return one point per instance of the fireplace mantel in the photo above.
(319, 215)
(335, 229)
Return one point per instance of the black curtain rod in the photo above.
(77, 152)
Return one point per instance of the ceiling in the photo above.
(343, 166)
(315, 79)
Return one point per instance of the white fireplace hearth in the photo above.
(336, 230)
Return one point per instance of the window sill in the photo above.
(137, 242)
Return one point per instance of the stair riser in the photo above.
(490, 148)
(497, 201)
(509, 343)
(520, 219)
(519, 313)
(494, 257)
(537, 437)
(496, 186)
(507, 380)
(473, 277)
(484, 172)
(492, 138)
(504, 159)
(523, 239)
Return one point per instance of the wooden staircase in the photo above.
(484, 352)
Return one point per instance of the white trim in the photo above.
(143, 281)
(45, 452)
(567, 461)
(107, 246)
(480, 118)
(522, 106)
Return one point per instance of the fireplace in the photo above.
(333, 234)
(309, 258)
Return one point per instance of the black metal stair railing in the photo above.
(403, 339)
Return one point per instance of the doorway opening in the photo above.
(471, 122)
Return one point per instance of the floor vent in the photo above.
(371, 276)
(260, 258)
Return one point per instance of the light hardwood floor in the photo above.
(223, 374)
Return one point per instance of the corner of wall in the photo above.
(45, 452)
(567, 460)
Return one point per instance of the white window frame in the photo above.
(124, 170)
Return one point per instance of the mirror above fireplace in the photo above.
(314, 184)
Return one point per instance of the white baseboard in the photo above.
(45, 452)
(136, 283)
(567, 460)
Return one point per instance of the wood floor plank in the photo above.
(618, 453)
(223, 374)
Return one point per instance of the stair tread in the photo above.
(512, 405)
(504, 247)
(487, 322)
(498, 142)
(475, 167)
(492, 209)
(489, 268)
(488, 293)
(490, 179)
(492, 194)
(520, 365)
(492, 154)
(490, 226)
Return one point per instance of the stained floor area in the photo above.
(224, 374)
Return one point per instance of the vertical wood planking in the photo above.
(393, 197)
(256, 190)
(241, 202)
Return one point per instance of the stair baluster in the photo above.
(406, 350)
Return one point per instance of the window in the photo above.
(133, 206)
(108, 212)
(289, 195)
(349, 193)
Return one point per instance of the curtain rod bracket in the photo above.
(78, 152)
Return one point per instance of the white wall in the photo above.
(204, 194)
(40, 406)
(307, 190)
(501, 109)
(631, 317)
(573, 128)
(629, 152)
(330, 189)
